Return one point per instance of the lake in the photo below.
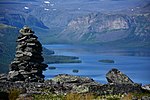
(133, 62)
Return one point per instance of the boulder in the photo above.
(115, 76)
(21, 39)
(146, 87)
(3, 77)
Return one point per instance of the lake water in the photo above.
(133, 62)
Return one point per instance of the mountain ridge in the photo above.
(106, 28)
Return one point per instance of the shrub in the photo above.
(13, 94)
(75, 96)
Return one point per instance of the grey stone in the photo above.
(21, 39)
(3, 77)
(145, 98)
(12, 74)
(19, 55)
(146, 87)
(65, 78)
(32, 85)
(27, 53)
(15, 62)
(26, 31)
(115, 76)
(31, 44)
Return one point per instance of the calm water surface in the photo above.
(133, 62)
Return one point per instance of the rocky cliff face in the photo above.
(65, 19)
(107, 27)
(21, 19)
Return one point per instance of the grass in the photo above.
(69, 96)
(75, 96)
(14, 94)
(48, 97)
(138, 96)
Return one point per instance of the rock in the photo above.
(21, 39)
(115, 76)
(19, 55)
(3, 77)
(65, 78)
(63, 84)
(146, 87)
(28, 53)
(27, 65)
(26, 31)
(145, 98)
(107, 89)
(31, 44)
(12, 74)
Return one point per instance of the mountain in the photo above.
(8, 35)
(59, 21)
(19, 20)
(55, 14)
(102, 28)
(18, 14)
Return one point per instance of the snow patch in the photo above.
(132, 9)
(26, 8)
(46, 2)
(46, 9)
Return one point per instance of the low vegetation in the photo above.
(75, 71)
(13, 94)
(107, 61)
(89, 96)
(50, 59)
(47, 95)
(51, 68)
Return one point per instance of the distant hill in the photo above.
(8, 36)
(102, 28)
(73, 22)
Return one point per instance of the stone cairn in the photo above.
(27, 65)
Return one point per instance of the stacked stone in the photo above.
(27, 65)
